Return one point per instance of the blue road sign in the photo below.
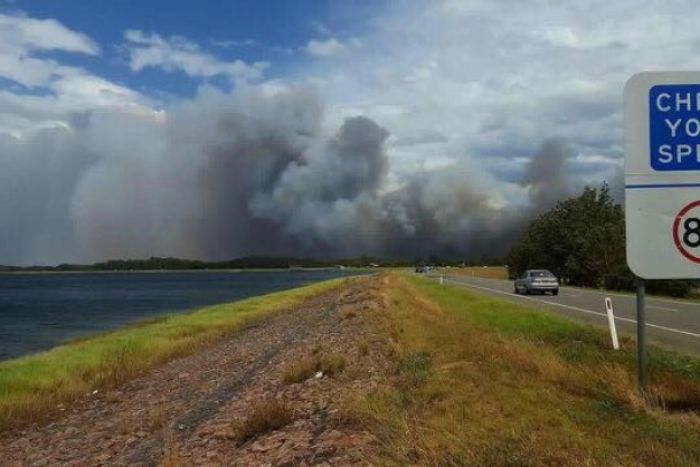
(662, 174)
(674, 127)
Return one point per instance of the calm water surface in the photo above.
(39, 311)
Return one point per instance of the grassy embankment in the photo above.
(487, 272)
(33, 387)
(481, 381)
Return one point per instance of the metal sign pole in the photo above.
(641, 339)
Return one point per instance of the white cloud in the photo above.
(22, 37)
(85, 90)
(58, 92)
(25, 70)
(320, 28)
(231, 43)
(47, 34)
(73, 93)
(282, 50)
(498, 78)
(178, 53)
(325, 48)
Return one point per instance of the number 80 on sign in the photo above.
(686, 231)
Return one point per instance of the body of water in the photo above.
(40, 311)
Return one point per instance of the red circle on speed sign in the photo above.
(686, 231)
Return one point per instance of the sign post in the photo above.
(662, 183)
(641, 339)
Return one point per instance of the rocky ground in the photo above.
(188, 412)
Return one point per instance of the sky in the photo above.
(226, 128)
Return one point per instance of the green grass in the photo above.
(481, 381)
(574, 341)
(32, 387)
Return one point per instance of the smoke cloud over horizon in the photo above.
(249, 173)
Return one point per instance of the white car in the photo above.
(536, 280)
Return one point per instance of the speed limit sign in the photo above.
(686, 231)
(662, 174)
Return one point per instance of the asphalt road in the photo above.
(671, 323)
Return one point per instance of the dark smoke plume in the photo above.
(223, 176)
(546, 177)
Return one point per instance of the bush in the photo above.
(264, 416)
(670, 288)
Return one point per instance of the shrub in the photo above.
(264, 416)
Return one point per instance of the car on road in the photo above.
(536, 280)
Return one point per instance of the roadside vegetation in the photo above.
(481, 381)
(582, 241)
(36, 386)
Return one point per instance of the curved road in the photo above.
(670, 323)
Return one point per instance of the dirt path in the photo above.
(185, 412)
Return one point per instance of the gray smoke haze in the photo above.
(546, 177)
(254, 172)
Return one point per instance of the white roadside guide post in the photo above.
(662, 183)
(611, 323)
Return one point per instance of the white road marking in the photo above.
(662, 308)
(568, 290)
(632, 297)
(575, 308)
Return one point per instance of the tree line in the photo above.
(582, 241)
(179, 264)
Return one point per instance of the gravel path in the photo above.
(184, 412)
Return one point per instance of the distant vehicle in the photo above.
(536, 280)
(421, 269)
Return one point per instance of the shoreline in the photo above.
(159, 271)
(46, 310)
(34, 385)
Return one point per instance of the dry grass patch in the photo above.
(263, 417)
(331, 364)
(488, 272)
(677, 394)
(480, 381)
(156, 419)
(171, 454)
(298, 371)
(348, 314)
(363, 348)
